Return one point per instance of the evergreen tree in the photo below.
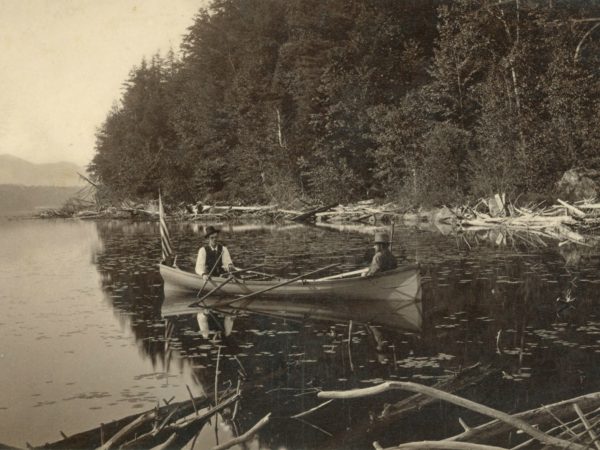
(338, 100)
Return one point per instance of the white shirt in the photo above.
(201, 260)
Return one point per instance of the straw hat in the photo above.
(209, 230)
(382, 238)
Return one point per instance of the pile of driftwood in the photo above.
(307, 212)
(365, 211)
(80, 210)
(69, 209)
(576, 223)
(267, 213)
(86, 209)
(173, 425)
(571, 424)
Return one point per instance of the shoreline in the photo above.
(577, 223)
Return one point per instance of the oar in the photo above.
(344, 275)
(270, 275)
(212, 291)
(251, 269)
(270, 288)
(215, 289)
(392, 234)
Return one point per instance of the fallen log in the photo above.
(468, 377)
(577, 212)
(441, 445)
(227, 208)
(588, 428)
(94, 438)
(540, 416)
(183, 430)
(246, 436)
(512, 421)
(572, 426)
(310, 213)
(394, 414)
(561, 221)
(122, 433)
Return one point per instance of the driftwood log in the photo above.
(542, 417)
(96, 437)
(564, 222)
(468, 377)
(179, 432)
(512, 421)
(309, 215)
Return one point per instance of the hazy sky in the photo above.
(62, 64)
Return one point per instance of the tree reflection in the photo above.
(493, 300)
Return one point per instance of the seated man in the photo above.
(383, 259)
(213, 258)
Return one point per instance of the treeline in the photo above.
(429, 101)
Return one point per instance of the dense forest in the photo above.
(421, 101)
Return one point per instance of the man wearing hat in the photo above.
(383, 259)
(213, 258)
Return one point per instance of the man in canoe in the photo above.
(383, 259)
(213, 258)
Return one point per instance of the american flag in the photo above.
(165, 239)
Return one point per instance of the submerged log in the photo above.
(512, 421)
(94, 438)
(541, 417)
(180, 431)
(442, 445)
(246, 436)
(413, 407)
(463, 380)
(120, 435)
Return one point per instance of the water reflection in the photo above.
(283, 352)
(281, 365)
(488, 297)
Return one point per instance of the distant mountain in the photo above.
(19, 199)
(15, 170)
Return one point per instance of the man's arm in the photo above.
(375, 265)
(201, 262)
(226, 260)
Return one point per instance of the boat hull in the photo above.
(398, 284)
(391, 299)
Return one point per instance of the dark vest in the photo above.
(214, 257)
(388, 261)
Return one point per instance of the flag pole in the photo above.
(165, 238)
(392, 233)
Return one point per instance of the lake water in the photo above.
(83, 340)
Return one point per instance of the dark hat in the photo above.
(210, 230)
(382, 238)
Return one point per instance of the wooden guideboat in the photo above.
(397, 312)
(402, 284)
(399, 290)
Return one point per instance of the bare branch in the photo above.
(414, 387)
(585, 36)
(246, 436)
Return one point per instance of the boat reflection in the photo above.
(398, 315)
(280, 352)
